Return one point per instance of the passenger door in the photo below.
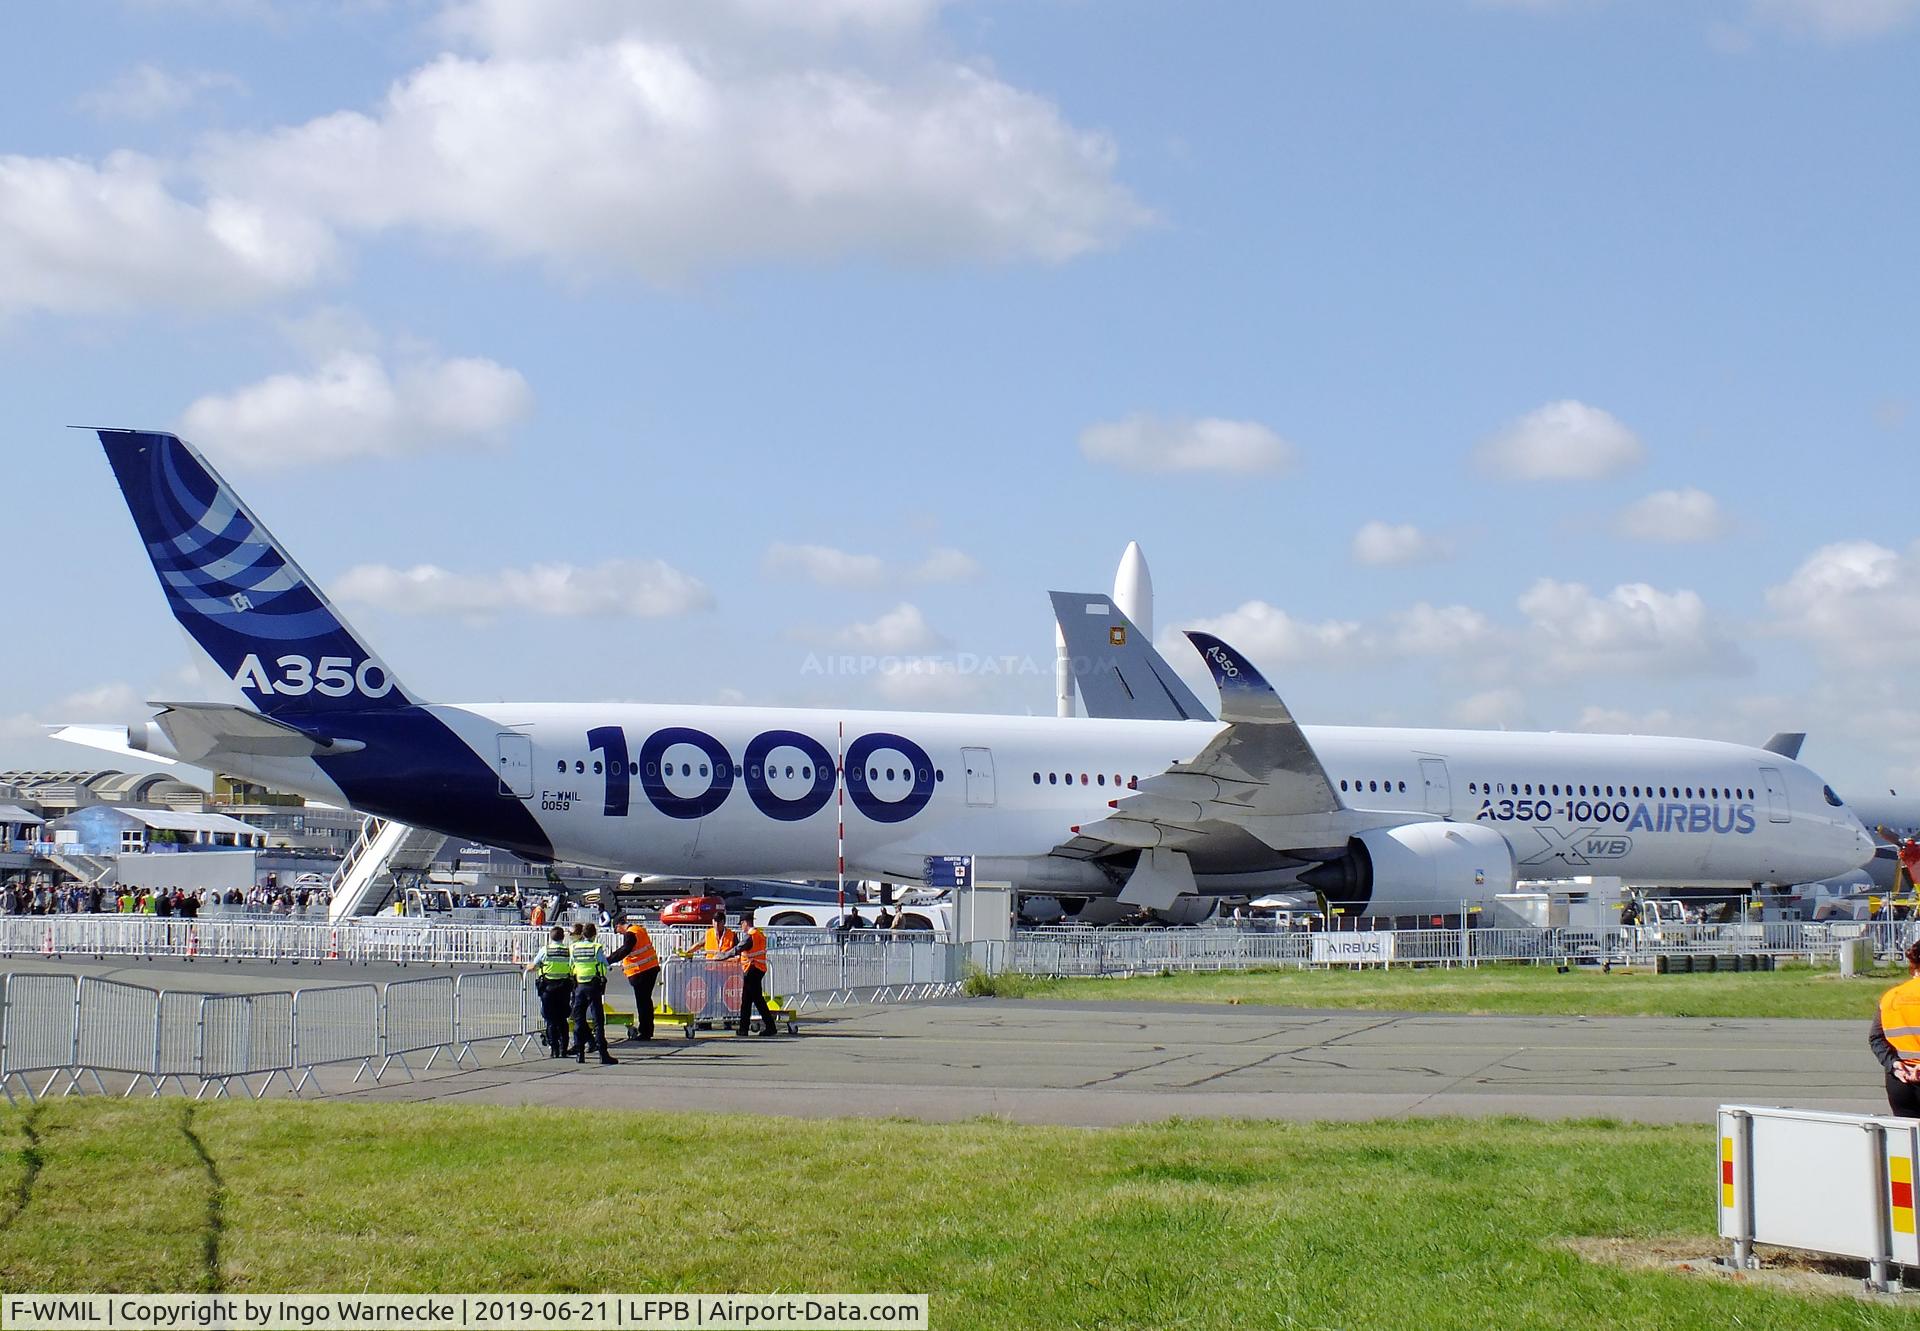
(979, 765)
(1436, 786)
(516, 767)
(1778, 810)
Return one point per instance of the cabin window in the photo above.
(579, 766)
(1053, 778)
(561, 766)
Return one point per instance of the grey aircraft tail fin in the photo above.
(1121, 675)
(1787, 743)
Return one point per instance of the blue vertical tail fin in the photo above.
(237, 592)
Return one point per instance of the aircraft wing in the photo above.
(1256, 774)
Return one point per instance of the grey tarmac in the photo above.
(1096, 1064)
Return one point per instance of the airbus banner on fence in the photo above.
(1375, 948)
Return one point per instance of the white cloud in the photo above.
(1673, 516)
(147, 92)
(1855, 601)
(637, 588)
(352, 405)
(1634, 628)
(1562, 441)
(118, 703)
(1505, 708)
(901, 629)
(1438, 630)
(1389, 544)
(945, 564)
(1143, 442)
(77, 238)
(832, 567)
(1838, 20)
(634, 140)
(1623, 721)
(1269, 634)
(530, 27)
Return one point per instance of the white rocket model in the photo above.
(1132, 596)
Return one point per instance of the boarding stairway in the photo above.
(91, 870)
(385, 848)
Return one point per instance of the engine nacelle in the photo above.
(1417, 869)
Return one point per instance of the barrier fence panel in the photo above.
(417, 1016)
(491, 1005)
(226, 1034)
(177, 1048)
(270, 1036)
(38, 1029)
(118, 1029)
(334, 1025)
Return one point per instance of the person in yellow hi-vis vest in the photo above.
(752, 951)
(589, 983)
(641, 964)
(1895, 1039)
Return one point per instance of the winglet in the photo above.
(1245, 694)
(1787, 743)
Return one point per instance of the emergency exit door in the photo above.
(516, 767)
(979, 765)
(1436, 786)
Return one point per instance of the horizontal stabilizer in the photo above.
(201, 730)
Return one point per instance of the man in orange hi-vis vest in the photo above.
(642, 966)
(752, 951)
(1895, 1039)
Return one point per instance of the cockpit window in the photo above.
(1832, 798)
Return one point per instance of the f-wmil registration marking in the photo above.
(462, 1312)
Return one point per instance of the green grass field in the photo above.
(1436, 1224)
(1514, 989)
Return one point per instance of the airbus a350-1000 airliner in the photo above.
(1385, 821)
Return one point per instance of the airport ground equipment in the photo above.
(367, 875)
(1840, 1184)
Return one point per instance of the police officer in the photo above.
(589, 984)
(554, 970)
(1895, 1039)
(751, 948)
(641, 963)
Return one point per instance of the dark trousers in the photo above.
(1903, 1097)
(589, 1019)
(556, 996)
(643, 1000)
(751, 997)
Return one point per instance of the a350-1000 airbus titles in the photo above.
(1382, 821)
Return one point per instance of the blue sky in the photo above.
(1542, 363)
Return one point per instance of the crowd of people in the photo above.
(19, 897)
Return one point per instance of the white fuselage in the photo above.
(721, 791)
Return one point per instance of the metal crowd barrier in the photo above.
(416, 1016)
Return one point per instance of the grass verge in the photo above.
(1512, 989)
(1439, 1224)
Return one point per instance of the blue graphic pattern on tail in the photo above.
(235, 590)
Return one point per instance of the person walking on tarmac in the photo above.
(554, 966)
(751, 948)
(642, 967)
(1895, 1039)
(589, 985)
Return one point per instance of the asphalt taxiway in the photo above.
(1098, 1063)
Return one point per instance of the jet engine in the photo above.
(1416, 869)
